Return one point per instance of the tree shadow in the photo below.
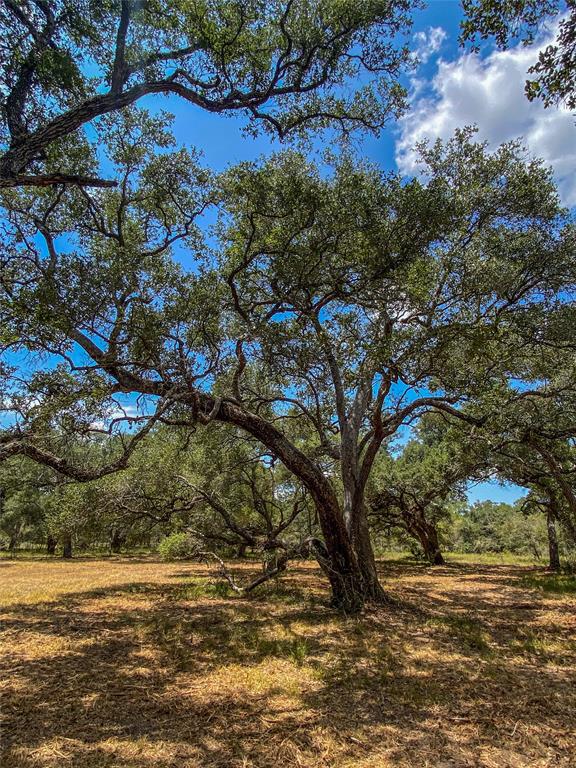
(154, 674)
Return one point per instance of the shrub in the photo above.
(177, 546)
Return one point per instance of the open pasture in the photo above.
(133, 663)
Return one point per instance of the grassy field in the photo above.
(135, 664)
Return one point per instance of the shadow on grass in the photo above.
(557, 583)
(146, 674)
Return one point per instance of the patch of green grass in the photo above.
(388, 661)
(248, 638)
(275, 591)
(242, 642)
(553, 648)
(294, 649)
(530, 644)
(491, 558)
(472, 558)
(557, 583)
(218, 589)
(280, 592)
(299, 650)
(171, 635)
(198, 588)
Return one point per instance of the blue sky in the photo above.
(222, 140)
(450, 88)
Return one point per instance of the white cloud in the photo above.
(489, 93)
(125, 411)
(428, 42)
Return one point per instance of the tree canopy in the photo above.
(349, 303)
(285, 64)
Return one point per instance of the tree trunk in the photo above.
(433, 552)
(362, 544)
(427, 535)
(345, 581)
(553, 543)
(241, 551)
(50, 545)
(116, 541)
(339, 562)
(67, 546)
(336, 555)
(355, 515)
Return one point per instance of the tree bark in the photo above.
(433, 552)
(241, 550)
(50, 545)
(556, 469)
(553, 549)
(14, 538)
(427, 535)
(355, 515)
(362, 544)
(347, 584)
(67, 546)
(116, 541)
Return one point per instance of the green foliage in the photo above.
(287, 65)
(505, 20)
(497, 527)
(24, 490)
(177, 546)
(416, 490)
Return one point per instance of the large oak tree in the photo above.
(349, 303)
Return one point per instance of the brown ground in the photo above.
(134, 663)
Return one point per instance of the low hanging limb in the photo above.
(273, 568)
(269, 571)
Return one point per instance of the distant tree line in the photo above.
(222, 497)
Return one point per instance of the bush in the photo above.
(177, 546)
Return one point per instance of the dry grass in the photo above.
(135, 663)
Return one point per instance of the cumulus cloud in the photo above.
(489, 93)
